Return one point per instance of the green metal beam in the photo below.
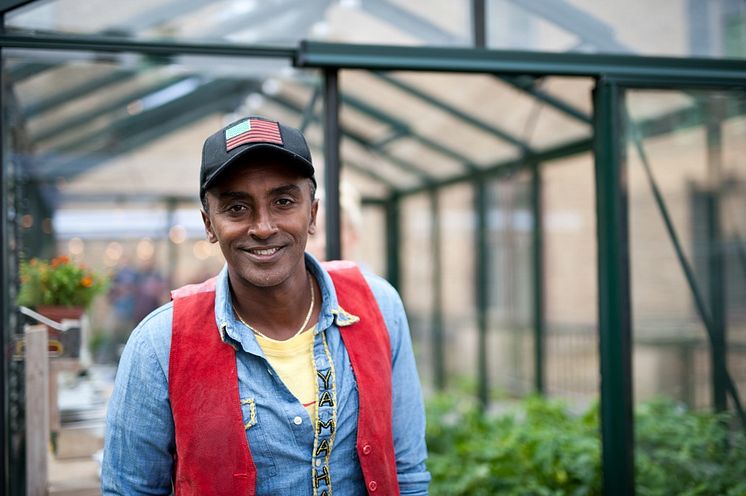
(614, 307)
(8, 5)
(478, 23)
(481, 289)
(537, 276)
(26, 70)
(432, 35)
(543, 96)
(509, 166)
(120, 104)
(408, 22)
(438, 346)
(332, 165)
(360, 140)
(60, 98)
(135, 131)
(588, 28)
(725, 73)
(399, 125)
(393, 241)
(118, 45)
(458, 113)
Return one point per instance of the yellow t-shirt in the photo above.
(293, 362)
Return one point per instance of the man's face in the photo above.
(261, 215)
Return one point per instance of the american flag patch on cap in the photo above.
(252, 131)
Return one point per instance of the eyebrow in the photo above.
(280, 190)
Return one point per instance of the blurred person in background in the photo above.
(351, 223)
(280, 375)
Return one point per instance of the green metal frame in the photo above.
(613, 72)
(438, 355)
(481, 288)
(332, 166)
(627, 69)
(114, 44)
(614, 294)
(537, 256)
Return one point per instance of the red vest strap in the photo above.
(367, 343)
(212, 453)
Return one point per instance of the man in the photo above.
(279, 376)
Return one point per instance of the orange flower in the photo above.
(61, 260)
(87, 281)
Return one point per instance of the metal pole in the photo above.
(4, 297)
(332, 164)
(393, 241)
(481, 270)
(438, 348)
(613, 293)
(479, 26)
(716, 273)
(537, 252)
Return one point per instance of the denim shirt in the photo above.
(139, 439)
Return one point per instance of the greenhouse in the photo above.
(556, 188)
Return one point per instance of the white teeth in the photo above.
(270, 251)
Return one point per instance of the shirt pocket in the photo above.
(257, 439)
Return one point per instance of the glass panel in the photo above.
(570, 261)
(458, 249)
(689, 148)
(447, 125)
(276, 22)
(708, 29)
(417, 281)
(693, 145)
(510, 225)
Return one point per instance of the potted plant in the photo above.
(58, 289)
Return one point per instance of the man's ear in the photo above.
(208, 227)
(314, 212)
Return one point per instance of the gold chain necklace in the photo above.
(302, 327)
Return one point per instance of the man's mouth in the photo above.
(263, 252)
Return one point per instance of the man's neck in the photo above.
(278, 311)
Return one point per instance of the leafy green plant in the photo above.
(58, 282)
(540, 448)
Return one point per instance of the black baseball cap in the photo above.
(253, 137)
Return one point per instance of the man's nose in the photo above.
(263, 227)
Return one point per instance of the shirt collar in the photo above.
(233, 332)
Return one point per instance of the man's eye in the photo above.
(284, 202)
(236, 208)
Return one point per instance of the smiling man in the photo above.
(280, 375)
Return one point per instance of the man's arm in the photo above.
(139, 438)
(408, 406)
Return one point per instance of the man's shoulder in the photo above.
(381, 288)
(155, 329)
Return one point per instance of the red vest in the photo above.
(212, 452)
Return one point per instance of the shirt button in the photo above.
(269, 371)
(367, 449)
(372, 485)
(318, 462)
(297, 420)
